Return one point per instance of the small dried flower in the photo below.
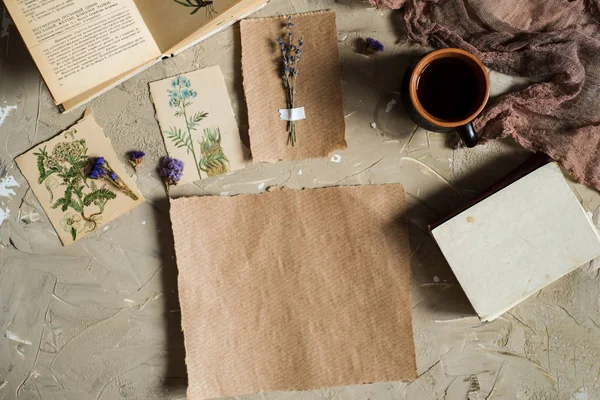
(101, 170)
(136, 158)
(290, 55)
(373, 46)
(97, 170)
(171, 171)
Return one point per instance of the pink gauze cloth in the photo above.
(555, 41)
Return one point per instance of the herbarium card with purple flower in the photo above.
(198, 123)
(293, 86)
(79, 180)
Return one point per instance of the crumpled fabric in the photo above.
(556, 42)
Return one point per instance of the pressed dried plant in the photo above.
(290, 55)
(67, 164)
(213, 161)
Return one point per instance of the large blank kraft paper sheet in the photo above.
(294, 289)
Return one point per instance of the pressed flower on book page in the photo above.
(198, 124)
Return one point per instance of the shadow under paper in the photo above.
(176, 372)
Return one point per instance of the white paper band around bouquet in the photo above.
(292, 114)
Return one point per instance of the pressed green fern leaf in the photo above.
(179, 138)
(60, 202)
(41, 169)
(97, 196)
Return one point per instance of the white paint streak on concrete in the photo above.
(581, 394)
(4, 111)
(20, 353)
(6, 185)
(4, 214)
(28, 218)
(13, 336)
(390, 105)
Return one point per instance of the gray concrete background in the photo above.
(100, 319)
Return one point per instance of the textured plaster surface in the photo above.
(100, 319)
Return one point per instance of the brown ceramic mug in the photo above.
(445, 91)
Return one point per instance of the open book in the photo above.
(84, 47)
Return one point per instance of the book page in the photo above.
(80, 44)
(236, 12)
(92, 93)
(172, 21)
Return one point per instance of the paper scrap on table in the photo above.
(56, 170)
(294, 289)
(198, 124)
(319, 88)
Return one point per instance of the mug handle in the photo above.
(467, 134)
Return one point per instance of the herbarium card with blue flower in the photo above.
(79, 180)
(198, 124)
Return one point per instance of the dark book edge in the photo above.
(535, 162)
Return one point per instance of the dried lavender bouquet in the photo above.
(290, 54)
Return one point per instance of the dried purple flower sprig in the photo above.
(101, 170)
(136, 158)
(373, 46)
(171, 171)
(290, 55)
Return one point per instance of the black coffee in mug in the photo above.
(445, 90)
(448, 89)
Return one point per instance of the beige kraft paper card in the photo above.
(198, 124)
(58, 174)
(318, 88)
(294, 289)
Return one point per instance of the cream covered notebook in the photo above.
(518, 240)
